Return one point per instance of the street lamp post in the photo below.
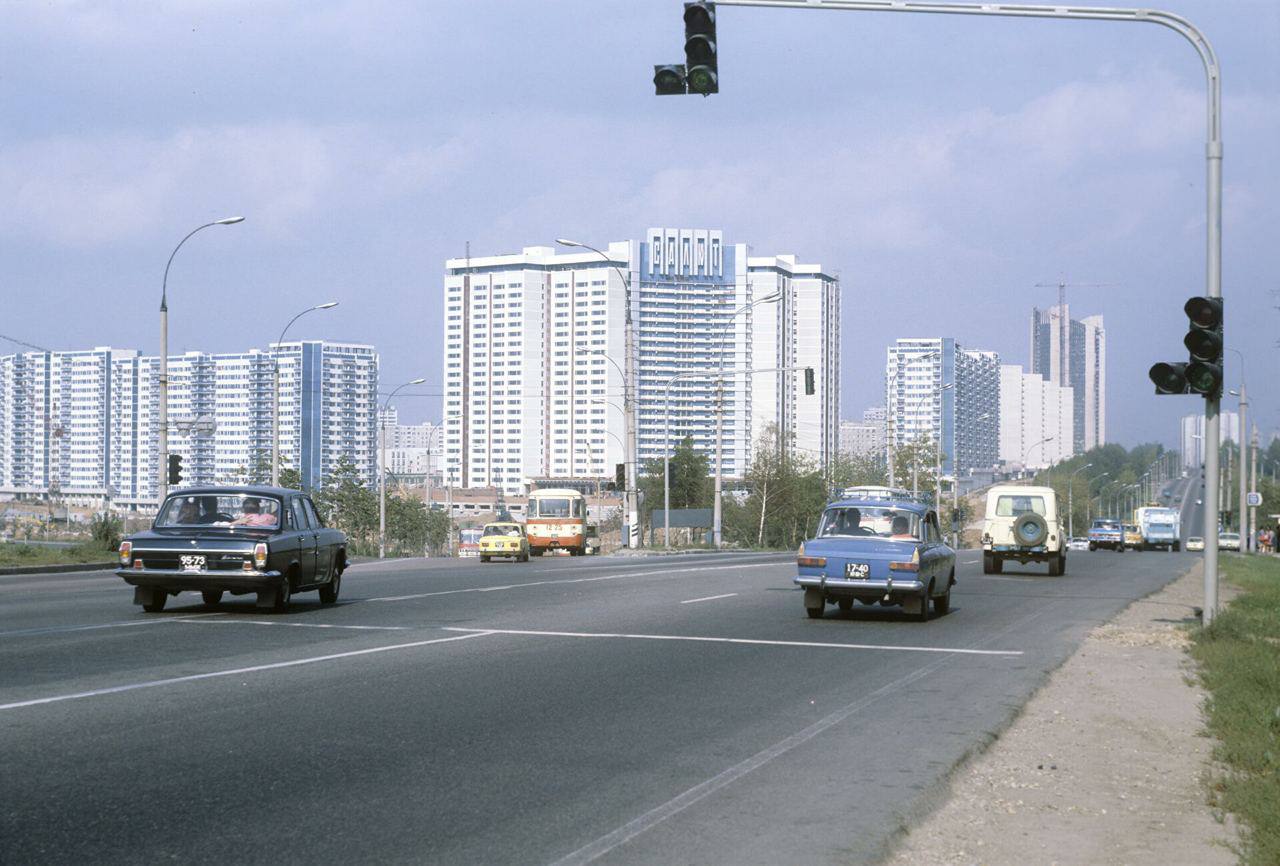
(275, 390)
(1071, 489)
(716, 514)
(628, 396)
(163, 486)
(1026, 455)
(382, 469)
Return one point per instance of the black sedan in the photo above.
(267, 541)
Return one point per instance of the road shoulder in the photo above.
(1105, 764)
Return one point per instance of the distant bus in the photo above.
(469, 541)
(557, 520)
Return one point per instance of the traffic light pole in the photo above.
(1213, 158)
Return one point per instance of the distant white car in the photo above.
(1228, 541)
(1195, 542)
(1078, 544)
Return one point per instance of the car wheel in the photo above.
(814, 603)
(284, 592)
(1120, 548)
(329, 592)
(1092, 546)
(846, 605)
(211, 596)
(1177, 545)
(997, 565)
(484, 557)
(1062, 564)
(988, 564)
(942, 603)
(156, 604)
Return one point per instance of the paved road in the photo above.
(659, 710)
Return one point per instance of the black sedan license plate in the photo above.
(857, 570)
(192, 563)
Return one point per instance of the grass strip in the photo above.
(17, 553)
(1239, 657)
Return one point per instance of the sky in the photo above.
(942, 166)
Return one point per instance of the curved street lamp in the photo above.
(163, 487)
(628, 395)
(275, 390)
(382, 469)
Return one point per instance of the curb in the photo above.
(54, 569)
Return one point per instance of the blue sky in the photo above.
(941, 165)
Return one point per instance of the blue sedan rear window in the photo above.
(870, 521)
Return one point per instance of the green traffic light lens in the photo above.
(1204, 378)
(702, 80)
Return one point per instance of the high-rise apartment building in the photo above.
(84, 424)
(864, 438)
(535, 356)
(1037, 420)
(412, 450)
(1073, 354)
(936, 389)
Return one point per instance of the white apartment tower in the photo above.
(1037, 420)
(84, 424)
(936, 389)
(535, 356)
(1073, 354)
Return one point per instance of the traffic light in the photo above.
(175, 468)
(808, 380)
(1204, 342)
(700, 48)
(668, 79)
(1203, 373)
(620, 475)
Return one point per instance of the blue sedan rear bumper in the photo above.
(892, 586)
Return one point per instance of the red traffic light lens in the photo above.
(1204, 312)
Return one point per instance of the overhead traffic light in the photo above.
(808, 380)
(175, 468)
(1203, 373)
(1204, 342)
(701, 73)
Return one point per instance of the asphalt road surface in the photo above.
(630, 710)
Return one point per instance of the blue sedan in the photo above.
(877, 551)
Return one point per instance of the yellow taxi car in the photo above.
(1132, 537)
(504, 539)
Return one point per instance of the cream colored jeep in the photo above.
(1022, 524)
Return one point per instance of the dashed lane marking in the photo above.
(570, 580)
(739, 640)
(151, 684)
(708, 598)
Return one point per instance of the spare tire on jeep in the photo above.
(1030, 530)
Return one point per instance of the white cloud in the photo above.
(114, 188)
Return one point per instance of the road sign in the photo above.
(1253, 500)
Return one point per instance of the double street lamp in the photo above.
(382, 469)
(163, 477)
(628, 394)
(275, 390)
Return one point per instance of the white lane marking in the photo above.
(741, 640)
(297, 624)
(708, 598)
(254, 669)
(385, 561)
(602, 846)
(664, 571)
(60, 629)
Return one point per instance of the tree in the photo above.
(857, 470)
(690, 485)
(345, 502)
(787, 495)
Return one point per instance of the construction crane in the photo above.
(1064, 323)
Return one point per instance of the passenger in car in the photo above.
(253, 515)
(900, 529)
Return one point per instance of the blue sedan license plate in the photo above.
(857, 570)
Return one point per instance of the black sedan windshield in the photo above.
(224, 509)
